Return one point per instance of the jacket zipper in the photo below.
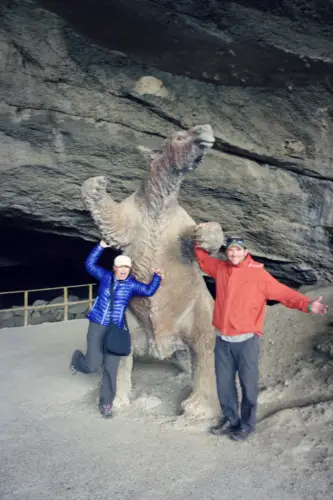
(94, 304)
(106, 311)
(108, 306)
(227, 301)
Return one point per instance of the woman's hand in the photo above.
(159, 272)
(104, 244)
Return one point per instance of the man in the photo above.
(125, 287)
(242, 289)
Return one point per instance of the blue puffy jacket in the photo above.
(123, 292)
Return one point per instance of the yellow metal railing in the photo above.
(65, 304)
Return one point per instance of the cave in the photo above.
(92, 88)
(260, 72)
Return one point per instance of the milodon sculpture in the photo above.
(156, 232)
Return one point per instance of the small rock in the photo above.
(6, 315)
(73, 298)
(148, 402)
(59, 316)
(57, 300)
(318, 362)
(78, 309)
(18, 312)
(39, 303)
(151, 85)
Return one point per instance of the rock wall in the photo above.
(91, 89)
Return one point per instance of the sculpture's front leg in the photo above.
(124, 382)
(208, 235)
(110, 218)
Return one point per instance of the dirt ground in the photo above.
(55, 444)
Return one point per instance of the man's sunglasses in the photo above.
(235, 241)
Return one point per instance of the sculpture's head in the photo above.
(184, 150)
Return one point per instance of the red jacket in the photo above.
(241, 294)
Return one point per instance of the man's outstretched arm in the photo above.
(274, 290)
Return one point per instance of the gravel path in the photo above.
(55, 445)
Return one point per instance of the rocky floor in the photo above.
(54, 443)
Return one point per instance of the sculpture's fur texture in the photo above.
(156, 232)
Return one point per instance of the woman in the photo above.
(126, 286)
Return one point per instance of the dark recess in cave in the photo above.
(42, 259)
(45, 260)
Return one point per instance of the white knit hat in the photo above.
(122, 260)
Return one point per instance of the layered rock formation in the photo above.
(90, 88)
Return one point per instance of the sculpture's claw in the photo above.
(209, 236)
(199, 406)
(121, 400)
(94, 188)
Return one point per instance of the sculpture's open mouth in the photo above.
(207, 144)
(206, 140)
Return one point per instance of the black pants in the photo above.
(94, 358)
(243, 357)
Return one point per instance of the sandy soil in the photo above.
(54, 443)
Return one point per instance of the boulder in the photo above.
(78, 310)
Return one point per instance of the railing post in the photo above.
(26, 307)
(65, 303)
(90, 295)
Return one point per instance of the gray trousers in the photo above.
(241, 357)
(94, 358)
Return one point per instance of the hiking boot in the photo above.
(223, 427)
(106, 411)
(240, 434)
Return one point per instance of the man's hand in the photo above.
(104, 244)
(159, 272)
(317, 307)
